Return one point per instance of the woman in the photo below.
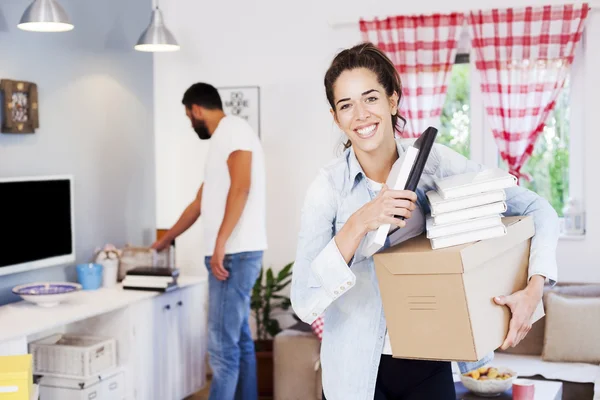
(346, 201)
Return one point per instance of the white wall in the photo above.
(95, 99)
(285, 48)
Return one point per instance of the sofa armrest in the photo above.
(296, 366)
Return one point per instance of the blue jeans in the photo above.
(230, 345)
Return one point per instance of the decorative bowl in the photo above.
(489, 386)
(46, 294)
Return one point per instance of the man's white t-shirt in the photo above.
(250, 234)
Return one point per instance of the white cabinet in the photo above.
(170, 338)
(161, 338)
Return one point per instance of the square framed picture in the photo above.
(244, 102)
(20, 110)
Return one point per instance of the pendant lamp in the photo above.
(157, 37)
(45, 16)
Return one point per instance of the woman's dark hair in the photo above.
(365, 55)
(204, 95)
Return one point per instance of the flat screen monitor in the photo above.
(37, 223)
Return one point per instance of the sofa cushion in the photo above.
(572, 327)
(576, 290)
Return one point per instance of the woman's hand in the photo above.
(381, 210)
(385, 209)
(522, 305)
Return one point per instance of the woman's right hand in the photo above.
(386, 208)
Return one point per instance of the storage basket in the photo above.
(72, 356)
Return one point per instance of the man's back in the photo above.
(233, 134)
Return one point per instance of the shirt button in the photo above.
(342, 288)
(349, 283)
(314, 314)
(336, 292)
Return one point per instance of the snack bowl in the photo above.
(489, 381)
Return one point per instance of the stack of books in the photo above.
(467, 208)
(160, 279)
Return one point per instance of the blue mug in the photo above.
(89, 276)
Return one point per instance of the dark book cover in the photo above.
(154, 271)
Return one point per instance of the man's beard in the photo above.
(201, 129)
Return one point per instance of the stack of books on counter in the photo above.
(160, 279)
(468, 207)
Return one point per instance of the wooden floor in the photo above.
(203, 394)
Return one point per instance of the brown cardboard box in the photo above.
(439, 303)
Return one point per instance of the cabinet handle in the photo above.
(113, 386)
(168, 307)
(180, 303)
(92, 395)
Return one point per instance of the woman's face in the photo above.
(363, 110)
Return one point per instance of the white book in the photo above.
(438, 205)
(470, 183)
(467, 237)
(397, 181)
(434, 231)
(151, 279)
(141, 284)
(470, 213)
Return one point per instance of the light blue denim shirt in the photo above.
(348, 295)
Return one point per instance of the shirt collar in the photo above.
(356, 170)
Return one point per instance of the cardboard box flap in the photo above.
(518, 229)
(415, 257)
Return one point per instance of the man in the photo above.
(232, 204)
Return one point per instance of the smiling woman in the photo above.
(347, 200)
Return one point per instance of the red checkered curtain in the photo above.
(523, 57)
(423, 49)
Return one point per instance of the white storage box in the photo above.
(71, 356)
(107, 386)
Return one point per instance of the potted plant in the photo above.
(267, 298)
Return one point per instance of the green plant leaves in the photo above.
(266, 298)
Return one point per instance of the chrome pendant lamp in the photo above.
(45, 16)
(156, 37)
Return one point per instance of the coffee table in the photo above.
(544, 390)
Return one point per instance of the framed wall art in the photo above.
(19, 106)
(244, 102)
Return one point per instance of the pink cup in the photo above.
(523, 389)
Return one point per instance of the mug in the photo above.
(523, 389)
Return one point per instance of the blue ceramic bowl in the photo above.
(46, 294)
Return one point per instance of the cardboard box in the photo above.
(16, 377)
(439, 303)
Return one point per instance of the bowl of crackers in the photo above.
(488, 381)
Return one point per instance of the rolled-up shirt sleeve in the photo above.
(320, 273)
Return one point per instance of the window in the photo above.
(455, 120)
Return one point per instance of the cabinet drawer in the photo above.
(56, 393)
(114, 387)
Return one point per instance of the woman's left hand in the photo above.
(522, 305)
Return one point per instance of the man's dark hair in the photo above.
(203, 95)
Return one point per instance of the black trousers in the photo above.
(400, 379)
